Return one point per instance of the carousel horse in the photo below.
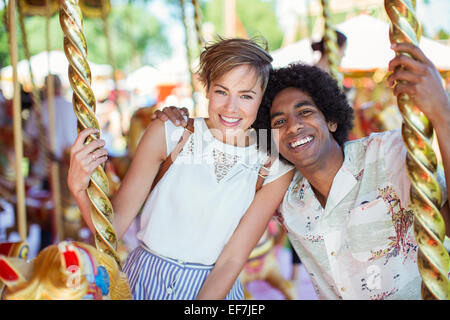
(263, 265)
(18, 250)
(66, 271)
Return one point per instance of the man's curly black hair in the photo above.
(320, 86)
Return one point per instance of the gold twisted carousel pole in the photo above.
(421, 162)
(331, 48)
(84, 106)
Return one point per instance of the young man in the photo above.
(347, 209)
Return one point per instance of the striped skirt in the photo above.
(153, 277)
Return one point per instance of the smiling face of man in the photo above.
(302, 134)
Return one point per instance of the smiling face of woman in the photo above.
(234, 99)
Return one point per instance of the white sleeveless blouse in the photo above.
(196, 206)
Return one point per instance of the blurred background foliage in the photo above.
(140, 34)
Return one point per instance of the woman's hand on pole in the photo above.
(84, 158)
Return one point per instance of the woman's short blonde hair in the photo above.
(225, 54)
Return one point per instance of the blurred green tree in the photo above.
(137, 37)
(257, 16)
(4, 43)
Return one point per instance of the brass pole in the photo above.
(188, 51)
(54, 165)
(71, 21)
(17, 123)
(109, 51)
(421, 162)
(197, 23)
(331, 48)
(309, 18)
(35, 97)
(200, 43)
(230, 18)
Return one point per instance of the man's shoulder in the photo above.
(376, 140)
(376, 137)
(297, 179)
(379, 147)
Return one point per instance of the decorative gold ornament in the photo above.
(331, 48)
(84, 106)
(421, 162)
(18, 249)
(95, 8)
(38, 7)
(67, 271)
(262, 264)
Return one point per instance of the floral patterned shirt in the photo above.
(361, 245)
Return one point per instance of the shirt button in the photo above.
(333, 253)
(169, 290)
(343, 289)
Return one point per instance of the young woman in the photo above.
(204, 216)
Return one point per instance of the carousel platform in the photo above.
(261, 290)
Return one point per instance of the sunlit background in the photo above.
(149, 58)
